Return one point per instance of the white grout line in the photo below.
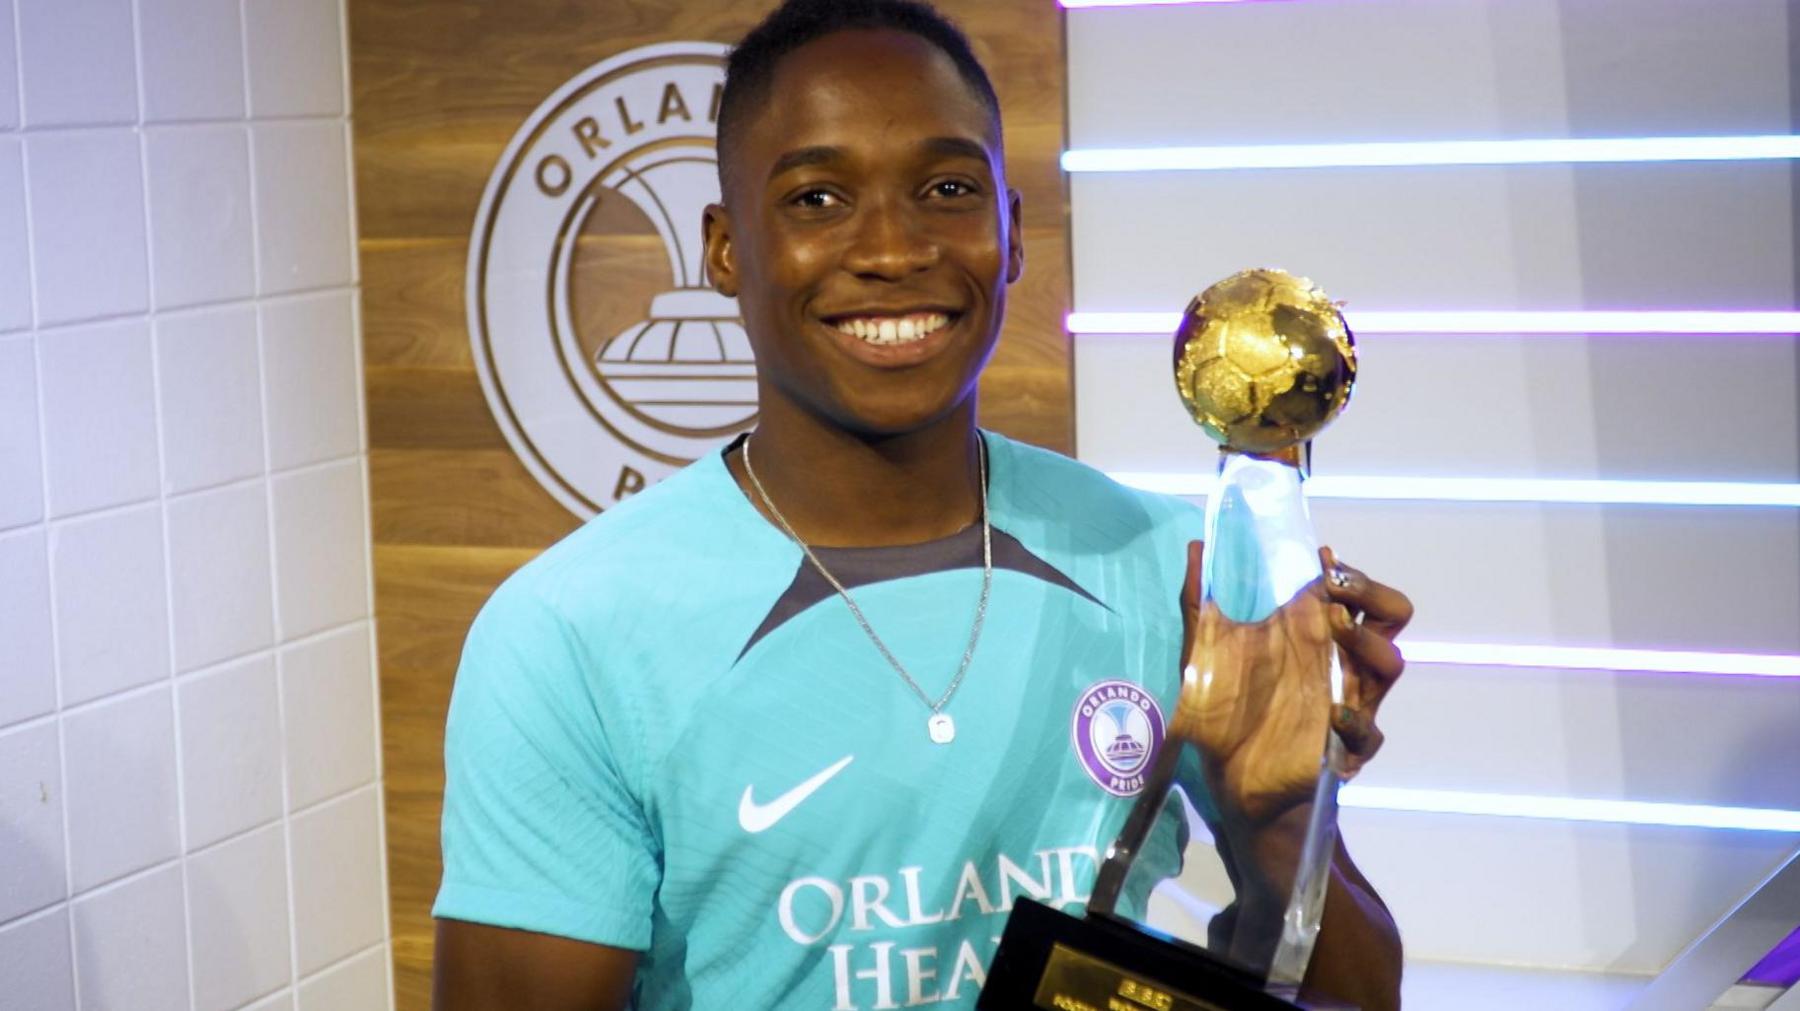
(126, 879)
(162, 473)
(62, 745)
(18, 35)
(186, 121)
(340, 962)
(262, 383)
(182, 677)
(236, 483)
(187, 308)
(41, 913)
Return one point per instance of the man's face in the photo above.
(867, 233)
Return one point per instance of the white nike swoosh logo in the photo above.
(754, 817)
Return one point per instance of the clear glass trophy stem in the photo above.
(1306, 903)
(1261, 554)
(1261, 557)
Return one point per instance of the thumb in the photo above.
(1190, 585)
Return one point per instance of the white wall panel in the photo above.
(1567, 896)
(193, 59)
(1701, 236)
(1356, 70)
(1616, 407)
(130, 948)
(9, 69)
(1473, 987)
(1500, 912)
(15, 255)
(1672, 738)
(35, 959)
(1623, 898)
(1634, 576)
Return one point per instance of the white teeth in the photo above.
(893, 329)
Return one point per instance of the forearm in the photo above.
(1357, 955)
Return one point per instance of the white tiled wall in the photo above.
(190, 788)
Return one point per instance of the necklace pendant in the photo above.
(941, 727)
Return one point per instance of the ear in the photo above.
(721, 256)
(1015, 238)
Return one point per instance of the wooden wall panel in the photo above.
(439, 88)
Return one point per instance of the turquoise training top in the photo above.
(669, 734)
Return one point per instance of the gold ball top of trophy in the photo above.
(1264, 361)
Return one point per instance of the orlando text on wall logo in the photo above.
(606, 357)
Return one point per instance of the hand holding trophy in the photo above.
(1263, 362)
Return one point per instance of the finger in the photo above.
(1190, 584)
(1384, 609)
(1361, 737)
(1372, 660)
(1190, 599)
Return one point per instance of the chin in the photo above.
(886, 420)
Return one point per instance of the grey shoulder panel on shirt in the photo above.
(856, 567)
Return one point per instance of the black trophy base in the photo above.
(1051, 960)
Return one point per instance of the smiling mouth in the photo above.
(886, 330)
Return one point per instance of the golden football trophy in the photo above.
(1263, 362)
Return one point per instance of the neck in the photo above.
(844, 489)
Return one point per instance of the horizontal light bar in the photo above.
(1677, 321)
(1662, 661)
(1559, 151)
(1079, 4)
(1622, 812)
(1492, 489)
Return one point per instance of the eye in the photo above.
(952, 188)
(816, 199)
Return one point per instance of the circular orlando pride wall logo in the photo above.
(1117, 728)
(606, 356)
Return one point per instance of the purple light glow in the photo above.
(1079, 4)
(1645, 322)
(1780, 967)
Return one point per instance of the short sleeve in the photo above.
(541, 828)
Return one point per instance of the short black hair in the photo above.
(751, 66)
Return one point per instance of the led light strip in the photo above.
(1541, 151)
(1623, 812)
(1493, 489)
(1675, 321)
(1078, 4)
(1660, 661)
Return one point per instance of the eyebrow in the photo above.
(800, 157)
(956, 147)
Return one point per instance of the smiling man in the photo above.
(793, 729)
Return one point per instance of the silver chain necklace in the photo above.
(940, 726)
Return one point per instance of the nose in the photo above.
(891, 242)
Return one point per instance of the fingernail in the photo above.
(1340, 616)
(1344, 716)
